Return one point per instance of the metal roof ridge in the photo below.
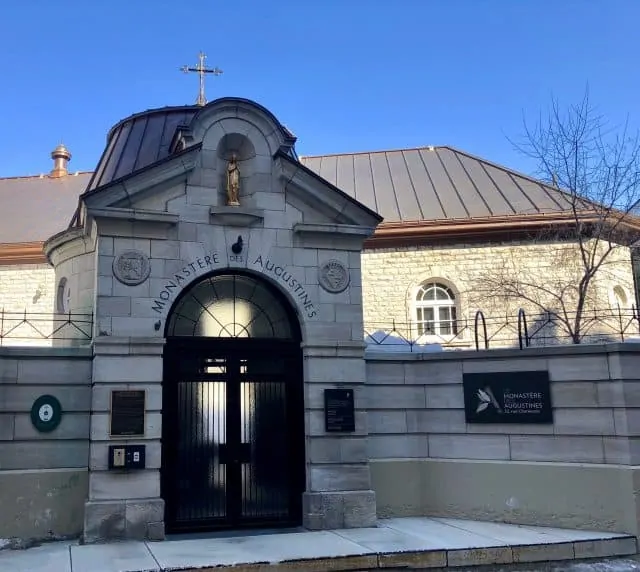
(374, 152)
(45, 176)
(436, 147)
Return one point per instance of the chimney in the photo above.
(61, 157)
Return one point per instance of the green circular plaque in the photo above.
(46, 413)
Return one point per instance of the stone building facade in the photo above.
(166, 256)
(471, 278)
(423, 246)
(32, 209)
(224, 381)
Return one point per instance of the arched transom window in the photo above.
(230, 306)
(436, 310)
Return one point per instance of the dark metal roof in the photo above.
(138, 141)
(34, 208)
(435, 183)
(145, 138)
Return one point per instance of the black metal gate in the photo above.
(233, 433)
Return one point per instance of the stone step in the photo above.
(416, 543)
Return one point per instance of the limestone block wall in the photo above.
(391, 278)
(43, 476)
(581, 471)
(25, 288)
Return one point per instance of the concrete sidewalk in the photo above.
(396, 543)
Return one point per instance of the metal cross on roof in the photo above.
(201, 70)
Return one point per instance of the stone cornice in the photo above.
(67, 244)
(329, 235)
(22, 253)
(130, 215)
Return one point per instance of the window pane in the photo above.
(423, 294)
(444, 313)
(442, 294)
(428, 314)
(445, 328)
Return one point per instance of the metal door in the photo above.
(233, 434)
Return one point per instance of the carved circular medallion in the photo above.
(131, 267)
(333, 276)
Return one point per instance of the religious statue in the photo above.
(233, 182)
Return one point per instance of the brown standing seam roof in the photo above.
(406, 185)
(32, 209)
(435, 183)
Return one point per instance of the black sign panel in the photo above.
(127, 413)
(339, 411)
(507, 397)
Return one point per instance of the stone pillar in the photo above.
(125, 504)
(338, 491)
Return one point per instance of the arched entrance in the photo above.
(233, 411)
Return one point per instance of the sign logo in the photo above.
(487, 399)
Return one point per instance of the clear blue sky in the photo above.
(343, 75)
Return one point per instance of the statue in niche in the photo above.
(233, 182)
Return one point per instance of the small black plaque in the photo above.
(339, 411)
(127, 413)
(507, 397)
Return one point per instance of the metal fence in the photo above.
(519, 330)
(44, 329)
(479, 331)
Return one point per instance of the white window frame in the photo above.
(437, 306)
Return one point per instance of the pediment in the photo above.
(276, 190)
(320, 201)
(136, 188)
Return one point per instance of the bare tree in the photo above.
(595, 171)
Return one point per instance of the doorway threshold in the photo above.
(233, 533)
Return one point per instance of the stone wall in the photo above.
(43, 476)
(35, 303)
(29, 287)
(26, 288)
(580, 472)
(391, 278)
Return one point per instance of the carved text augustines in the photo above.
(284, 276)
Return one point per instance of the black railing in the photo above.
(27, 327)
(521, 330)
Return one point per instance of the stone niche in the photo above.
(240, 146)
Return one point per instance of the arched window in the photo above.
(619, 298)
(230, 306)
(436, 310)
